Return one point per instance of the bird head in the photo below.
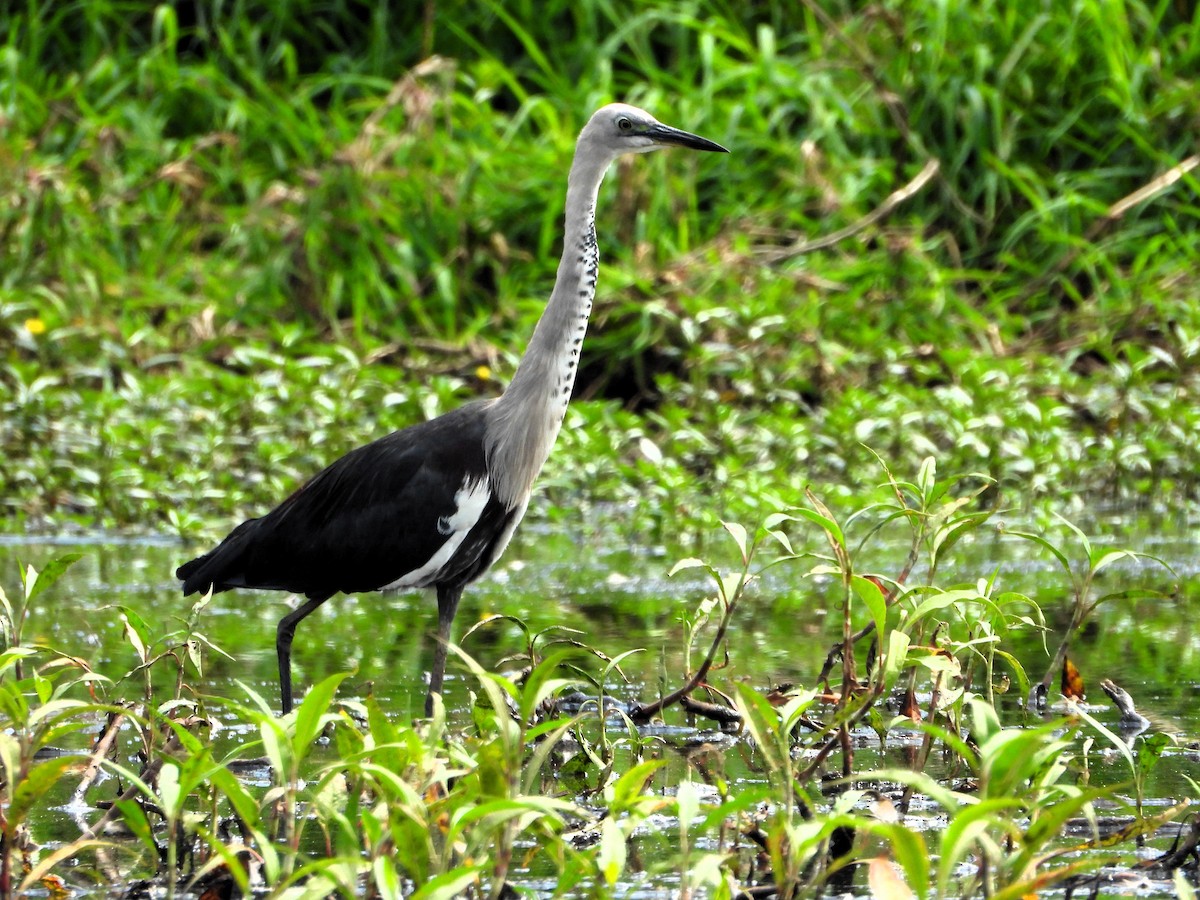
(619, 128)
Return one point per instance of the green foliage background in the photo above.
(238, 238)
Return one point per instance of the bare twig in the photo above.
(1114, 213)
(892, 101)
(894, 199)
(1185, 850)
(645, 712)
(715, 711)
(103, 746)
(418, 102)
(832, 656)
(149, 776)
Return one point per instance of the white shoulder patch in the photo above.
(469, 502)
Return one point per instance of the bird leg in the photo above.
(448, 598)
(283, 646)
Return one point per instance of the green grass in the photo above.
(301, 194)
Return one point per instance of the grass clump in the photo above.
(969, 230)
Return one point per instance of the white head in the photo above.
(619, 128)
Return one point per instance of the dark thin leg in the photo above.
(448, 598)
(283, 646)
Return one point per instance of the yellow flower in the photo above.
(483, 373)
(35, 326)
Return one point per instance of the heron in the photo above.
(434, 505)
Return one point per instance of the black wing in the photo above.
(365, 521)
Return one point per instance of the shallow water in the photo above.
(618, 597)
(616, 594)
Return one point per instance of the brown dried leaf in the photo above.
(885, 881)
(1072, 681)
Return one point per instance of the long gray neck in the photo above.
(524, 423)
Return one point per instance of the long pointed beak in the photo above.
(665, 134)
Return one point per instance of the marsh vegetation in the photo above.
(937, 306)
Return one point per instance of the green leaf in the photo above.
(1042, 542)
(948, 799)
(386, 878)
(926, 478)
(623, 794)
(762, 721)
(616, 661)
(783, 540)
(52, 708)
(1018, 670)
(868, 592)
(262, 707)
(35, 582)
(449, 885)
(540, 685)
(135, 820)
(7, 610)
(135, 640)
(794, 710)
(985, 724)
(245, 806)
(1083, 538)
(1117, 742)
(488, 621)
(134, 620)
(1108, 558)
(199, 606)
(37, 781)
(689, 563)
(543, 748)
(1050, 817)
(311, 714)
(897, 656)
(776, 519)
(746, 798)
(738, 532)
(613, 852)
(498, 688)
(226, 854)
(497, 812)
(910, 850)
(947, 537)
(966, 827)
(10, 657)
(687, 799)
(277, 747)
(1150, 748)
(168, 790)
(731, 584)
(830, 527)
(940, 601)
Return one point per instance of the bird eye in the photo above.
(624, 124)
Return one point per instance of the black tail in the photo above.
(194, 577)
(221, 568)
